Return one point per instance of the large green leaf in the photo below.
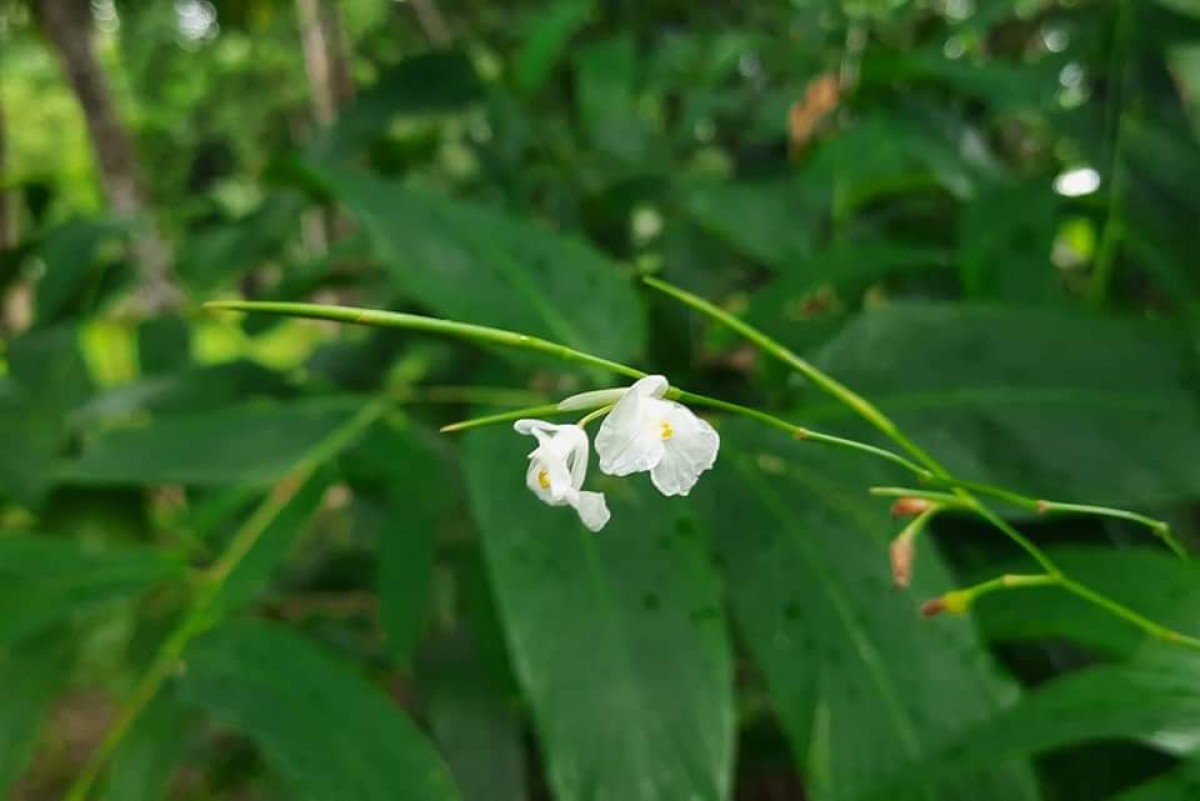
(617, 638)
(31, 676)
(47, 381)
(1055, 405)
(46, 580)
(1181, 783)
(1006, 233)
(1152, 698)
(255, 443)
(473, 264)
(274, 543)
(861, 683)
(329, 733)
(476, 728)
(69, 253)
(416, 487)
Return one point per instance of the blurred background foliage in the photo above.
(982, 214)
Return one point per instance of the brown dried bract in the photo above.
(820, 98)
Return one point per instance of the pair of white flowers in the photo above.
(643, 432)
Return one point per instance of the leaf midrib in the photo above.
(854, 632)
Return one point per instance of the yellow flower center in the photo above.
(667, 432)
(544, 478)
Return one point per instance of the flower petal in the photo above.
(628, 440)
(592, 509)
(689, 451)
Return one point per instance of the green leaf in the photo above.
(272, 547)
(328, 732)
(191, 389)
(48, 380)
(1152, 698)
(478, 731)
(861, 683)
(1006, 233)
(617, 638)
(606, 74)
(69, 252)
(1183, 782)
(765, 220)
(45, 580)
(1167, 590)
(257, 443)
(424, 84)
(144, 763)
(1054, 405)
(32, 676)
(418, 489)
(469, 263)
(546, 42)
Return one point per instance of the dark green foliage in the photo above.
(982, 216)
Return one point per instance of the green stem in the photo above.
(197, 616)
(484, 335)
(799, 432)
(888, 428)
(1158, 527)
(595, 414)
(1112, 233)
(942, 499)
(537, 412)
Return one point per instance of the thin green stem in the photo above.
(827, 383)
(537, 412)
(944, 500)
(800, 432)
(492, 396)
(1011, 581)
(888, 428)
(1158, 527)
(197, 616)
(497, 336)
(1125, 613)
(481, 334)
(595, 414)
(1112, 232)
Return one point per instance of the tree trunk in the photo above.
(68, 25)
(327, 66)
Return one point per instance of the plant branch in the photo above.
(197, 616)
(888, 428)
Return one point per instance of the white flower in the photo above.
(645, 432)
(557, 467)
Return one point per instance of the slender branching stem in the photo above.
(939, 473)
(199, 613)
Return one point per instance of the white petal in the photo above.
(652, 386)
(689, 451)
(592, 400)
(558, 465)
(592, 509)
(629, 440)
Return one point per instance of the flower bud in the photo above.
(903, 553)
(956, 602)
(910, 507)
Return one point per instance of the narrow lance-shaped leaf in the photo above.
(616, 637)
(329, 733)
(861, 682)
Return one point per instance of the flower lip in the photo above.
(645, 432)
(557, 468)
